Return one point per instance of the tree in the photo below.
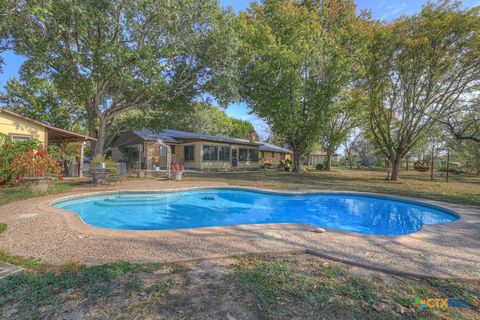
(463, 121)
(418, 67)
(116, 56)
(201, 118)
(344, 119)
(39, 99)
(349, 143)
(296, 56)
(365, 150)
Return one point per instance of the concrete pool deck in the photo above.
(56, 236)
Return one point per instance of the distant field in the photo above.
(460, 188)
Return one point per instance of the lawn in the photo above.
(8, 195)
(251, 287)
(460, 189)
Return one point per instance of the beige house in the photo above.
(19, 127)
(141, 149)
(272, 154)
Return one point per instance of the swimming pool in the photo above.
(226, 207)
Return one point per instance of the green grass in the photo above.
(3, 228)
(8, 195)
(254, 287)
(27, 263)
(460, 189)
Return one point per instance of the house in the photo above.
(272, 155)
(19, 127)
(196, 151)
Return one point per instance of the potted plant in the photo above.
(37, 168)
(177, 170)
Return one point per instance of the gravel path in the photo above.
(37, 230)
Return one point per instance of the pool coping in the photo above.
(449, 250)
(75, 222)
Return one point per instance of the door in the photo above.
(234, 158)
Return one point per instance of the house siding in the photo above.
(11, 125)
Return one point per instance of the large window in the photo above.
(189, 153)
(224, 154)
(210, 153)
(242, 154)
(253, 155)
(20, 137)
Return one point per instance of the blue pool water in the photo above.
(226, 207)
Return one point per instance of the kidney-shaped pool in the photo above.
(227, 207)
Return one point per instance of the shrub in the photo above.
(112, 165)
(38, 162)
(319, 166)
(13, 153)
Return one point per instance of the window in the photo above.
(189, 153)
(163, 150)
(224, 154)
(20, 137)
(242, 154)
(210, 153)
(172, 149)
(253, 155)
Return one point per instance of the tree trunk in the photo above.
(395, 162)
(328, 162)
(101, 138)
(350, 162)
(297, 161)
(91, 123)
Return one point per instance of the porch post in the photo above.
(80, 165)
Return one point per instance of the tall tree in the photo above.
(202, 118)
(296, 56)
(113, 56)
(39, 99)
(342, 121)
(418, 67)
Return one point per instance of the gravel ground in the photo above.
(449, 250)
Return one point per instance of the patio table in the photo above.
(100, 176)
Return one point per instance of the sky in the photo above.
(381, 9)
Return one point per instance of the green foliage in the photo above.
(319, 166)
(201, 118)
(37, 98)
(296, 58)
(112, 165)
(9, 151)
(418, 68)
(133, 54)
(286, 165)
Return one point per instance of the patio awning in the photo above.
(61, 135)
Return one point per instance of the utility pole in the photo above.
(431, 168)
(448, 162)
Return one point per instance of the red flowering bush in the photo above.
(21, 159)
(37, 162)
